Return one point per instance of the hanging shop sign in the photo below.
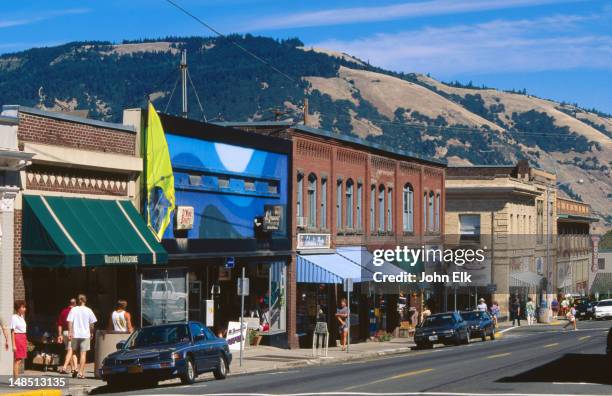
(272, 218)
(184, 217)
(234, 334)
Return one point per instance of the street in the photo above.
(525, 360)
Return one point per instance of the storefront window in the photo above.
(163, 296)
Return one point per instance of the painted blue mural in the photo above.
(228, 186)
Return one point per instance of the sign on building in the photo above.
(272, 218)
(184, 217)
(313, 241)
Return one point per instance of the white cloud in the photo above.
(341, 16)
(6, 23)
(550, 43)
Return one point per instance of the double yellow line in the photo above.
(395, 377)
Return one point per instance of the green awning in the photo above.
(80, 232)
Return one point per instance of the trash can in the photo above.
(106, 343)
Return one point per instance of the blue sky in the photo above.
(559, 49)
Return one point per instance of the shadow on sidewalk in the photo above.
(572, 367)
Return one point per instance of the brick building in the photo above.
(76, 226)
(576, 267)
(351, 197)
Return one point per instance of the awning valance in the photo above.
(79, 232)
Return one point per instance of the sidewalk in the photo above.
(265, 358)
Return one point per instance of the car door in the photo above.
(203, 348)
(199, 347)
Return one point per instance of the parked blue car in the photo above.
(480, 324)
(161, 352)
(444, 328)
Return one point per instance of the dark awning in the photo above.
(80, 232)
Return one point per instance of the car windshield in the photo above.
(606, 303)
(158, 335)
(438, 320)
(472, 315)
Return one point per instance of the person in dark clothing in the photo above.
(515, 311)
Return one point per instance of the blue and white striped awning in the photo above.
(326, 268)
(353, 262)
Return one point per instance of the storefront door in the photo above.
(163, 296)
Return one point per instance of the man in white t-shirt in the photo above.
(482, 306)
(81, 321)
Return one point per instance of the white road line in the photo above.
(574, 383)
(508, 329)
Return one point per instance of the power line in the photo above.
(218, 33)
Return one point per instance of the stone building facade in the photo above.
(512, 211)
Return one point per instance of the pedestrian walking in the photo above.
(342, 317)
(554, 306)
(425, 314)
(530, 309)
(81, 320)
(515, 311)
(482, 305)
(62, 337)
(571, 318)
(495, 312)
(19, 337)
(564, 306)
(121, 320)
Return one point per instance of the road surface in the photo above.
(525, 360)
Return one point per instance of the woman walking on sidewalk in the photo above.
(530, 310)
(515, 311)
(342, 316)
(19, 338)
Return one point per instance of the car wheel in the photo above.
(484, 335)
(466, 341)
(221, 371)
(189, 376)
(492, 333)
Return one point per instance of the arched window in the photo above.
(390, 209)
(408, 209)
(312, 200)
(349, 203)
(359, 206)
(323, 203)
(431, 213)
(381, 208)
(299, 203)
(339, 205)
(373, 208)
(424, 203)
(438, 212)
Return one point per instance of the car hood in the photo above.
(475, 322)
(146, 352)
(436, 329)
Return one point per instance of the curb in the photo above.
(37, 392)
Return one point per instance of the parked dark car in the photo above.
(584, 309)
(445, 328)
(156, 353)
(480, 324)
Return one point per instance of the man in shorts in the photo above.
(342, 317)
(81, 320)
(62, 337)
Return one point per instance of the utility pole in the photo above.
(305, 111)
(184, 81)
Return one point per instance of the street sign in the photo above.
(230, 262)
(243, 288)
(348, 285)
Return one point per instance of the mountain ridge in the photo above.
(462, 124)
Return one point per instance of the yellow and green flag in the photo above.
(160, 179)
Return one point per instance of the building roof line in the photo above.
(69, 118)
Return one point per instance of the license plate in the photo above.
(433, 338)
(135, 369)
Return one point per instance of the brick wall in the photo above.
(46, 130)
(46, 178)
(19, 291)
